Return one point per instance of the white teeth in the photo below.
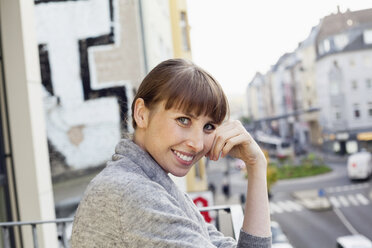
(183, 157)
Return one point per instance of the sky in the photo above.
(233, 39)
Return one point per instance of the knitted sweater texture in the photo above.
(134, 203)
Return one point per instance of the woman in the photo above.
(178, 117)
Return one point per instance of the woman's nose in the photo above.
(196, 141)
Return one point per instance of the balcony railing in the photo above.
(236, 217)
(235, 212)
(59, 222)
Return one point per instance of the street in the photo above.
(349, 202)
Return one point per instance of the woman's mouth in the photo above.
(182, 156)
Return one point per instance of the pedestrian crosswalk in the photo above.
(347, 187)
(336, 201)
(285, 206)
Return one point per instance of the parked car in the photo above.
(359, 165)
(353, 241)
(279, 240)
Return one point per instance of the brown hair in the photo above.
(185, 86)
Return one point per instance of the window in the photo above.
(354, 84)
(184, 32)
(326, 45)
(370, 109)
(336, 147)
(340, 41)
(368, 83)
(352, 63)
(367, 61)
(367, 36)
(351, 146)
(356, 111)
(335, 88)
(335, 79)
(320, 48)
(337, 112)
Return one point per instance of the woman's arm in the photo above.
(233, 139)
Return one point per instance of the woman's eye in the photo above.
(209, 127)
(183, 120)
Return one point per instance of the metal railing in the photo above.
(236, 217)
(59, 222)
(235, 211)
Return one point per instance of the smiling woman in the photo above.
(186, 102)
(191, 137)
(178, 116)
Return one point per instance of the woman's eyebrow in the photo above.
(196, 117)
(211, 121)
(191, 116)
(181, 112)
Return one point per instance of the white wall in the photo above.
(84, 131)
(158, 32)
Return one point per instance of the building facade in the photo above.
(180, 29)
(321, 91)
(307, 90)
(343, 76)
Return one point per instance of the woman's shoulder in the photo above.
(116, 176)
(122, 179)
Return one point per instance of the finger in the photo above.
(220, 141)
(227, 130)
(224, 132)
(232, 142)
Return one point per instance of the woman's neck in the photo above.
(138, 138)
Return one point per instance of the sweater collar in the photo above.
(127, 148)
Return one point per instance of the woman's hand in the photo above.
(233, 139)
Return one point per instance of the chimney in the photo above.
(338, 9)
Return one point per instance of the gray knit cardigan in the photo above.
(134, 203)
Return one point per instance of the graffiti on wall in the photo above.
(88, 74)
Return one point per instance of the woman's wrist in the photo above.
(258, 169)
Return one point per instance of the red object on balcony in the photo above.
(203, 203)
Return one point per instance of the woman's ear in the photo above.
(141, 113)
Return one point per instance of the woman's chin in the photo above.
(180, 173)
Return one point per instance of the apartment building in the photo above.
(321, 91)
(343, 76)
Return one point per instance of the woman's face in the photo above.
(177, 140)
